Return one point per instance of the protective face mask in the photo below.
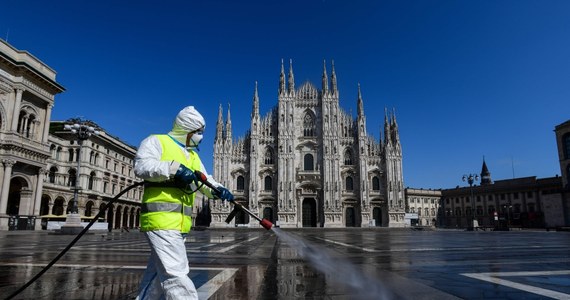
(195, 140)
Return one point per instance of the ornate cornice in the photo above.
(34, 87)
(24, 152)
(5, 87)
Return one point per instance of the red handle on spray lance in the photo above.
(263, 222)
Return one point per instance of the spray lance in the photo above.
(237, 206)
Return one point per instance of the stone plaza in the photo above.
(311, 263)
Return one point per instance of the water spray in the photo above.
(237, 206)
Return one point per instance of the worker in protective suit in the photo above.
(166, 162)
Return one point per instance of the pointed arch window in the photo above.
(348, 157)
(349, 183)
(240, 183)
(268, 183)
(268, 156)
(375, 183)
(308, 162)
(308, 125)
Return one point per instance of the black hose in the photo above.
(72, 242)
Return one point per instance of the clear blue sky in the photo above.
(467, 78)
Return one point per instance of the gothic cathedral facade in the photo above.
(308, 163)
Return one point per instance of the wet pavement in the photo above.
(315, 263)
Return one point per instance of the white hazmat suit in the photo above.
(166, 275)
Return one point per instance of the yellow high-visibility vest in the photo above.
(168, 207)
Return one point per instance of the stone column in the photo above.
(16, 111)
(47, 120)
(5, 185)
(24, 126)
(8, 164)
(39, 192)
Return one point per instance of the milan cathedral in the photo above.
(308, 163)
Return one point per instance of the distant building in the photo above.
(308, 163)
(423, 206)
(527, 202)
(106, 168)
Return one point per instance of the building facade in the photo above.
(526, 202)
(423, 205)
(27, 95)
(308, 163)
(105, 165)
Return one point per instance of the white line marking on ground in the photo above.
(494, 278)
(209, 288)
(425, 249)
(348, 245)
(226, 249)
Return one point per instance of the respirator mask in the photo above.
(195, 140)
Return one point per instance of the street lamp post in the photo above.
(471, 179)
(82, 131)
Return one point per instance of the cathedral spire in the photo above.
(291, 77)
(394, 127)
(255, 109)
(360, 105)
(333, 80)
(219, 125)
(282, 79)
(229, 125)
(387, 130)
(485, 174)
(325, 78)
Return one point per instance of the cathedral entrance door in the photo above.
(350, 217)
(268, 214)
(309, 213)
(377, 216)
(241, 218)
